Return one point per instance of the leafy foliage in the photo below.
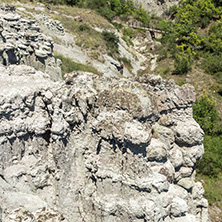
(182, 63)
(206, 114)
(183, 36)
(211, 164)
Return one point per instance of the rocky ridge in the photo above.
(23, 43)
(97, 148)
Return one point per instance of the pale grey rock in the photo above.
(11, 17)
(51, 25)
(185, 218)
(156, 151)
(178, 207)
(22, 37)
(198, 191)
(188, 133)
(176, 156)
(41, 53)
(136, 134)
(92, 148)
(186, 183)
(165, 134)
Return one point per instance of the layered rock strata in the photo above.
(94, 148)
(22, 42)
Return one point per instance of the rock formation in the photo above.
(94, 148)
(98, 149)
(158, 7)
(22, 43)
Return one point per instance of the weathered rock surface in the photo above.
(21, 42)
(159, 7)
(94, 148)
(91, 148)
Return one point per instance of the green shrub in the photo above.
(212, 64)
(129, 32)
(212, 188)
(111, 41)
(68, 65)
(84, 27)
(182, 64)
(206, 114)
(107, 13)
(211, 164)
(57, 2)
(117, 25)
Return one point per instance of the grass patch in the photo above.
(68, 65)
(163, 71)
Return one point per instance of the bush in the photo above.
(129, 32)
(212, 188)
(182, 64)
(84, 27)
(213, 64)
(211, 164)
(117, 25)
(65, 2)
(111, 41)
(206, 114)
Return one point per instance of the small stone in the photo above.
(40, 53)
(11, 17)
(186, 183)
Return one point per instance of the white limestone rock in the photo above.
(85, 148)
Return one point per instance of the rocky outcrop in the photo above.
(158, 7)
(94, 148)
(22, 42)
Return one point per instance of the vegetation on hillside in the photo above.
(108, 8)
(192, 41)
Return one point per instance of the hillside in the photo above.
(93, 124)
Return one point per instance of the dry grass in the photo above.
(87, 16)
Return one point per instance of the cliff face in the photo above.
(157, 7)
(97, 148)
